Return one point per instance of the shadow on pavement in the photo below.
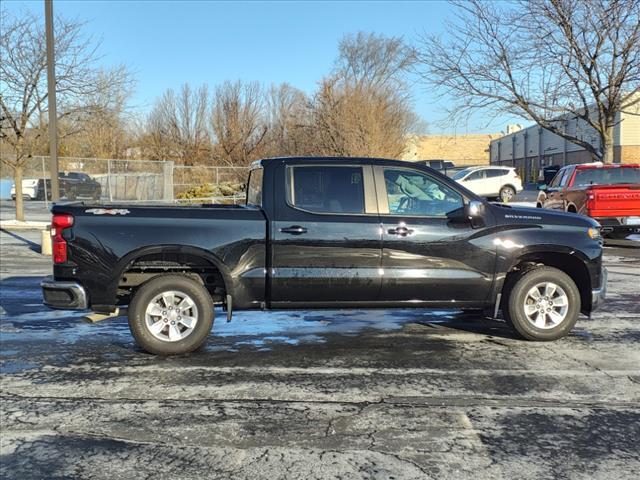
(29, 243)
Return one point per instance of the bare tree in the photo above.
(545, 60)
(374, 61)
(288, 118)
(177, 126)
(103, 132)
(237, 121)
(364, 108)
(23, 88)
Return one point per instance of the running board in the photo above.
(98, 317)
(229, 308)
(497, 307)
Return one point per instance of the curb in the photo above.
(14, 225)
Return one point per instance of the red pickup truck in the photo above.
(608, 193)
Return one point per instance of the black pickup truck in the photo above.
(326, 233)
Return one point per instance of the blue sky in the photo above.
(166, 43)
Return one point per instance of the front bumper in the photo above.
(63, 295)
(598, 295)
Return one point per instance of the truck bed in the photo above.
(106, 241)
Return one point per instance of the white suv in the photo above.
(491, 182)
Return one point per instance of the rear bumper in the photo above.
(618, 224)
(598, 295)
(63, 295)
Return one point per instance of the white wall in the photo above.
(630, 126)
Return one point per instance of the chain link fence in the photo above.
(118, 180)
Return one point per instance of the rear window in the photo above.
(607, 176)
(326, 189)
(254, 188)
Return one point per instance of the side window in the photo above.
(326, 189)
(410, 192)
(556, 180)
(254, 188)
(565, 177)
(495, 172)
(477, 175)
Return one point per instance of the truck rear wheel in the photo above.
(171, 315)
(542, 304)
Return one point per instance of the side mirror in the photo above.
(475, 209)
(475, 213)
(542, 187)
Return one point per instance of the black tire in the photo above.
(150, 290)
(506, 194)
(514, 305)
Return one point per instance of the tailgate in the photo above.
(614, 200)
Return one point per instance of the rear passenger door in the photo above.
(495, 180)
(326, 241)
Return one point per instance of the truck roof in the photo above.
(331, 160)
(586, 166)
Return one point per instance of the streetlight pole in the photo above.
(51, 100)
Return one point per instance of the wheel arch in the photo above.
(567, 262)
(185, 252)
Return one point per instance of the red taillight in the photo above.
(59, 245)
(591, 201)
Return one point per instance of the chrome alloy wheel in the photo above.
(171, 316)
(546, 305)
(506, 194)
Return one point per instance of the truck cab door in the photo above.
(431, 253)
(553, 193)
(559, 201)
(326, 243)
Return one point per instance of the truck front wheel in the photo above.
(542, 304)
(171, 315)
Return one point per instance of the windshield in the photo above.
(461, 174)
(607, 176)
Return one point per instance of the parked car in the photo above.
(491, 182)
(78, 184)
(325, 233)
(438, 164)
(31, 189)
(72, 185)
(608, 193)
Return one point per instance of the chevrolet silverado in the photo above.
(325, 233)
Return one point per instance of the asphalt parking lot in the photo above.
(409, 394)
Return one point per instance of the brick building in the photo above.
(462, 150)
(531, 148)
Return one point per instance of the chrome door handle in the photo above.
(402, 231)
(294, 230)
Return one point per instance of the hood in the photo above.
(540, 216)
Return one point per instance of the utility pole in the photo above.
(51, 100)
